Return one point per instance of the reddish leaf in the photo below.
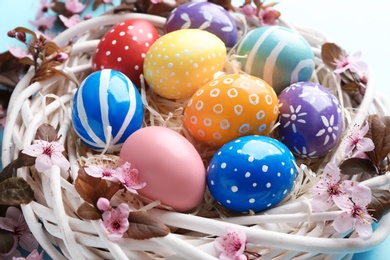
(46, 132)
(379, 132)
(22, 160)
(380, 203)
(330, 53)
(91, 189)
(15, 191)
(87, 211)
(144, 226)
(354, 166)
(7, 241)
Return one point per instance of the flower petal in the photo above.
(28, 242)
(364, 230)
(43, 163)
(33, 150)
(361, 195)
(365, 145)
(59, 159)
(343, 222)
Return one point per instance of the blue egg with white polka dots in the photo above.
(107, 108)
(251, 173)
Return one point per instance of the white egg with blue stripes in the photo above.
(107, 108)
(278, 55)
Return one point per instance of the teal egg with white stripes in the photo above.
(278, 55)
(107, 108)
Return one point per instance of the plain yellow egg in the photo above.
(182, 61)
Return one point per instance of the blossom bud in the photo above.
(87, 16)
(62, 57)
(11, 34)
(21, 36)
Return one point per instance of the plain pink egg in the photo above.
(169, 164)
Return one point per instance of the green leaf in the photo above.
(7, 241)
(144, 226)
(380, 203)
(87, 211)
(15, 191)
(354, 166)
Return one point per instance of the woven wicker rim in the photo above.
(61, 233)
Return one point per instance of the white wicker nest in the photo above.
(287, 231)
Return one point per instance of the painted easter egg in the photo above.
(180, 62)
(310, 119)
(206, 16)
(229, 107)
(107, 108)
(123, 48)
(278, 55)
(169, 164)
(251, 173)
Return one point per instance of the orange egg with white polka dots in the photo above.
(229, 107)
(180, 62)
(123, 48)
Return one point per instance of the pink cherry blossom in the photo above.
(48, 154)
(34, 255)
(129, 178)
(232, 245)
(329, 189)
(15, 223)
(74, 6)
(357, 141)
(268, 16)
(248, 10)
(44, 6)
(355, 215)
(19, 53)
(102, 170)
(115, 220)
(44, 23)
(71, 21)
(350, 62)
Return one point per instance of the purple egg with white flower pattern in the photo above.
(251, 173)
(107, 108)
(206, 16)
(310, 119)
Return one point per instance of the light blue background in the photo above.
(356, 25)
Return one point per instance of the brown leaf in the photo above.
(87, 211)
(6, 241)
(27, 61)
(380, 203)
(330, 53)
(144, 226)
(354, 166)
(379, 132)
(15, 191)
(46, 132)
(91, 189)
(22, 160)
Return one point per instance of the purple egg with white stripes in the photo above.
(107, 108)
(310, 119)
(205, 16)
(251, 173)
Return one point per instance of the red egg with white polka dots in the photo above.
(123, 48)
